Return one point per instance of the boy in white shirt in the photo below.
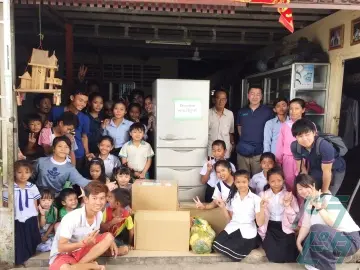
(208, 174)
(77, 240)
(136, 153)
(259, 180)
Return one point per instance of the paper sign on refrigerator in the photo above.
(187, 109)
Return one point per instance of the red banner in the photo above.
(286, 16)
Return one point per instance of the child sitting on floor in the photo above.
(47, 219)
(225, 175)
(279, 213)
(208, 174)
(122, 176)
(69, 201)
(241, 209)
(118, 221)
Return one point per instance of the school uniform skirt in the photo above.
(27, 238)
(234, 245)
(279, 247)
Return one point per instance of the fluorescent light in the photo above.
(170, 42)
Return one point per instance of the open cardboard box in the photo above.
(155, 195)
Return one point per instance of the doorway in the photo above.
(349, 130)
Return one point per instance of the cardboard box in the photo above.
(162, 230)
(155, 195)
(215, 217)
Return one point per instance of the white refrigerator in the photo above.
(181, 135)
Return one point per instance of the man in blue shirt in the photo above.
(327, 168)
(250, 124)
(78, 101)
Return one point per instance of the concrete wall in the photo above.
(319, 32)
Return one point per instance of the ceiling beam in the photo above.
(161, 22)
(194, 39)
(140, 44)
(180, 27)
(54, 16)
(171, 21)
(246, 15)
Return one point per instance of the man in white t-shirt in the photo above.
(77, 241)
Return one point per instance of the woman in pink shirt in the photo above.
(283, 154)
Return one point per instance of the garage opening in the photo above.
(131, 46)
(128, 48)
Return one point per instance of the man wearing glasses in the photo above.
(221, 123)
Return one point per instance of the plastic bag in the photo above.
(201, 236)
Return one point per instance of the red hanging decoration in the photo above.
(286, 15)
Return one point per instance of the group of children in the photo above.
(263, 210)
(284, 199)
(67, 144)
(63, 149)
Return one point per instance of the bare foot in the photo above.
(123, 250)
(98, 266)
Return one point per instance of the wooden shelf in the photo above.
(45, 91)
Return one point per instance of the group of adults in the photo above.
(251, 121)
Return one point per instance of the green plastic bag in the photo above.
(201, 236)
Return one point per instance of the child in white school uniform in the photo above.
(259, 180)
(241, 210)
(26, 194)
(106, 145)
(224, 173)
(280, 212)
(328, 233)
(208, 174)
(137, 154)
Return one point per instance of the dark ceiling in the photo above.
(125, 30)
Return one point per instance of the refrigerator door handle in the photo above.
(174, 139)
(182, 169)
(183, 150)
(185, 188)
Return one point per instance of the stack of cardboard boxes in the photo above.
(158, 224)
(161, 224)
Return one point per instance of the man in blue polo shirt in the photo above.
(78, 101)
(250, 124)
(327, 168)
